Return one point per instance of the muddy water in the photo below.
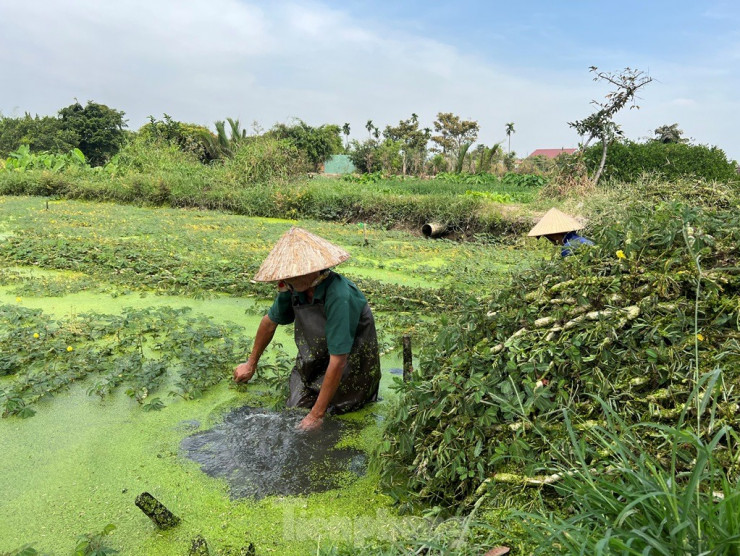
(260, 453)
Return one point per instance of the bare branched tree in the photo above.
(600, 125)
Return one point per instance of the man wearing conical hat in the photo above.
(337, 367)
(560, 229)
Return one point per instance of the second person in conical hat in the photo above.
(337, 367)
(560, 228)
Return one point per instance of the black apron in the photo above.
(360, 376)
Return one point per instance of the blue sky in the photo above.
(350, 61)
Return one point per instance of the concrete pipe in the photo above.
(433, 229)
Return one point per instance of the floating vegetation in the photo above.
(35, 285)
(196, 253)
(134, 350)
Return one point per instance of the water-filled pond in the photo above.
(260, 452)
(80, 462)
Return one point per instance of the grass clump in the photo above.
(640, 502)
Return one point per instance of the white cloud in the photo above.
(200, 61)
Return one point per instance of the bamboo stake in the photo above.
(407, 361)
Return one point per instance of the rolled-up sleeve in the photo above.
(281, 311)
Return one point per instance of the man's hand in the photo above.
(244, 372)
(310, 422)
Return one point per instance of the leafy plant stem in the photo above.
(688, 239)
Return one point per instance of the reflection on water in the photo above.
(261, 453)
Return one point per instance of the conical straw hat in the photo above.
(555, 222)
(297, 253)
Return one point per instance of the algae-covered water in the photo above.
(80, 462)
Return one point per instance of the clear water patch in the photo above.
(262, 453)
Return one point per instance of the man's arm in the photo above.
(265, 333)
(326, 393)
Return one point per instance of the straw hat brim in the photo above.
(299, 252)
(555, 222)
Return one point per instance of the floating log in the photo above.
(156, 511)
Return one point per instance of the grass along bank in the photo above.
(151, 174)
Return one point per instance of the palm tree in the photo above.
(670, 134)
(461, 157)
(509, 130)
(345, 130)
(224, 144)
(369, 127)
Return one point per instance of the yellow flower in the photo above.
(700, 337)
(36, 335)
(70, 348)
(621, 255)
(18, 300)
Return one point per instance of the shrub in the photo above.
(523, 180)
(264, 159)
(628, 161)
(316, 144)
(189, 138)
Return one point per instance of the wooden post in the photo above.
(407, 362)
(156, 511)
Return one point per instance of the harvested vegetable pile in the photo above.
(626, 321)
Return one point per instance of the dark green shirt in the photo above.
(343, 304)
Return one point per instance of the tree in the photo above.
(669, 134)
(225, 144)
(98, 129)
(483, 158)
(600, 124)
(369, 127)
(318, 143)
(363, 155)
(461, 157)
(345, 130)
(189, 138)
(454, 133)
(41, 134)
(509, 130)
(412, 141)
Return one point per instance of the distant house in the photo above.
(551, 153)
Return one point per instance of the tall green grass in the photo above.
(265, 178)
(680, 502)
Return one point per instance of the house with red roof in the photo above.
(551, 153)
